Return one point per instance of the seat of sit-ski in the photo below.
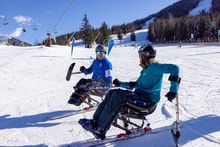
(87, 91)
(140, 106)
(96, 93)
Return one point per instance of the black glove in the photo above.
(82, 68)
(116, 82)
(170, 96)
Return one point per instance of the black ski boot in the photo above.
(92, 126)
(77, 97)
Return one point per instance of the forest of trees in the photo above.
(200, 28)
(170, 25)
(99, 35)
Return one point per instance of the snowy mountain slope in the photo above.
(141, 38)
(33, 89)
(181, 8)
(205, 5)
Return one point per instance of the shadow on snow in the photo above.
(37, 120)
(191, 129)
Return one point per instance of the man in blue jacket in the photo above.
(147, 87)
(101, 69)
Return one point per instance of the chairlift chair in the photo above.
(5, 23)
(35, 28)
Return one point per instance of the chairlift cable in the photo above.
(49, 34)
(62, 17)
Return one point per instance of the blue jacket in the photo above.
(99, 68)
(150, 80)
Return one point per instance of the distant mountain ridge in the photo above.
(179, 9)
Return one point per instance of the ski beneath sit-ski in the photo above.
(122, 137)
(84, 110)
(115, 138)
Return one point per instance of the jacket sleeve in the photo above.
(108, 68)
(89, 70)
(108, 76)
(173, 70)
(128, 85)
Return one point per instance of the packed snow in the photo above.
(33, 89)
(141, 38)
(203, 5)
(147, 23)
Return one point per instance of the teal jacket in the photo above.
(150, 80)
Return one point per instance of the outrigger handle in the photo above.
(78, 72)
(175, 125)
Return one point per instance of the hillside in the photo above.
(179, 9)
(183, 8)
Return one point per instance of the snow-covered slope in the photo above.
(203, 5)
(141, 38)
(147, 23)
(33, 89)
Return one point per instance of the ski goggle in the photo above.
(100, 52)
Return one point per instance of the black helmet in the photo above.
(147, 51)
(100, 48)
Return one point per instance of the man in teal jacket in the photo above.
(147, 87)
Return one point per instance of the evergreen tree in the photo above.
(114, 29)
(86, 32)
(76, 35)
(201, 27)
(170, 31)
(183, 29)
(124, 29)
(215, 6)
(190, 30)
(104, 34)
(133, 36)
(177, 32)
(151, 33)
(120, 36)
(131, 27)
(161, 31)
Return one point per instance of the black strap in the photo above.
(132, 84)
(174, 78)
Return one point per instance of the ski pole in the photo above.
(175, 124)
(177, 117)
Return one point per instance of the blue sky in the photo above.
(44, 14)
